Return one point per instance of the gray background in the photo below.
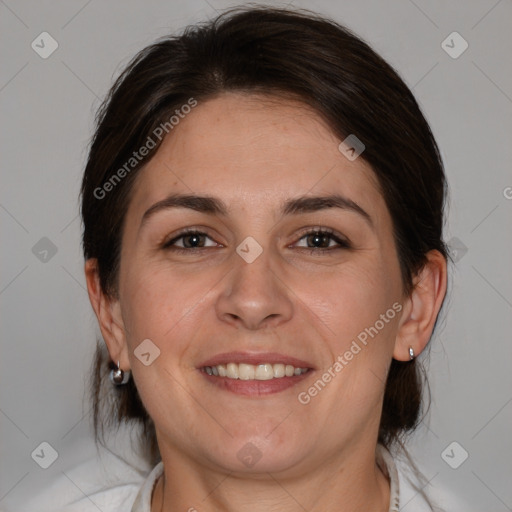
(48, 329)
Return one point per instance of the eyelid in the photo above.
(322, 229)
(168, 241)
(336, 236)
(342, 241)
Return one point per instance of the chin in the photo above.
(261, 454)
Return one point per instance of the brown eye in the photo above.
(321, 239)
(194, 240)
(187, 240)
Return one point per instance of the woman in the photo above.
(263, 212)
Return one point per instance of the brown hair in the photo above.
(295, 54)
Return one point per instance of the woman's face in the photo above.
(256, 285)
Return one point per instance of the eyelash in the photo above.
(343, 243)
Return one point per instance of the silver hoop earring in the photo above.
(411, 353)
(119, 377)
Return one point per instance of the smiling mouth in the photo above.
(263, 371)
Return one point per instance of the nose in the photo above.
(254, 296)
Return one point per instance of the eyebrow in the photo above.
(295, 206)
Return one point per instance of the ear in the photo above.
(421, 307)
(108, 313)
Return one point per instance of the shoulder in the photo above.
(415, 490)
(104, 480)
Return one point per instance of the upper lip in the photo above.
(255, 358)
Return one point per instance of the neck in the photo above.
(349, 487)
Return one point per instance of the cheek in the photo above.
(149, 302)
(358, 307)
(158, 302)
(361, 311)
(352, 298)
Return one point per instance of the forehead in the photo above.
(253, 150)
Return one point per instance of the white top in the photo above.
(116, 483)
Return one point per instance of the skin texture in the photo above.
(254, 153)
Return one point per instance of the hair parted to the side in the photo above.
(293, 54)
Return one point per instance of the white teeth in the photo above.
(278, 370)
(246, 371)
(231, 370)
(264, 371)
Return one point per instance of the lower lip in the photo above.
(255, 387)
